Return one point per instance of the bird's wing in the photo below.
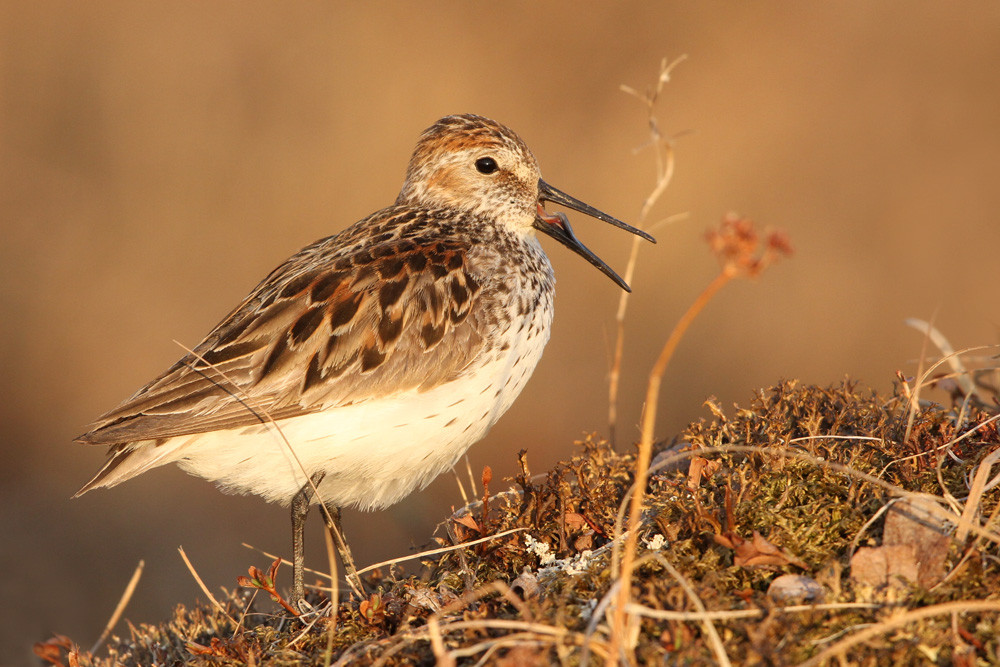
(328, 328)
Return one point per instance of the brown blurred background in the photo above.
(158, 159)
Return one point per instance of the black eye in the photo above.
(486, 165)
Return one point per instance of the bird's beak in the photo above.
(557, 226)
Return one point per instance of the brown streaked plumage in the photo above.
(362, 317)
(369, 361)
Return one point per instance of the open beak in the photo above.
(557, 226)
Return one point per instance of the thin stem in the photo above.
(646, 444)
(664, 174)
(663, 151)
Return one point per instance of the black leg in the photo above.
(337, 532)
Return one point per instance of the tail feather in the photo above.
(128, 461)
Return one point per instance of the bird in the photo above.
(370, 361)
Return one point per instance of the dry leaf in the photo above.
(757, 551)
(911, 522)
(701, 468)
(467, 521)
(52, 650)
(878, 566)
(914, 547)
(584, 542)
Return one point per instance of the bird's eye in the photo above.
(486, 165)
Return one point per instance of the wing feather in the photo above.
(340, 322)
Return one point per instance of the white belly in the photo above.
(373, 453)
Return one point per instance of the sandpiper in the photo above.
(370, 361)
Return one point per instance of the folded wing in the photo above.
(372, 321)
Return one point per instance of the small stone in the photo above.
(795, 589)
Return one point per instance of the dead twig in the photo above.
(663, 150)
(120, 607)
(204, 588)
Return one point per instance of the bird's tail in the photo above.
(129, 460)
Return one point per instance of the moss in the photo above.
(798, 465)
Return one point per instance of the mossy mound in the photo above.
(796, 483)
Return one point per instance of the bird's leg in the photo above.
(300, 510)
(332, 519)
